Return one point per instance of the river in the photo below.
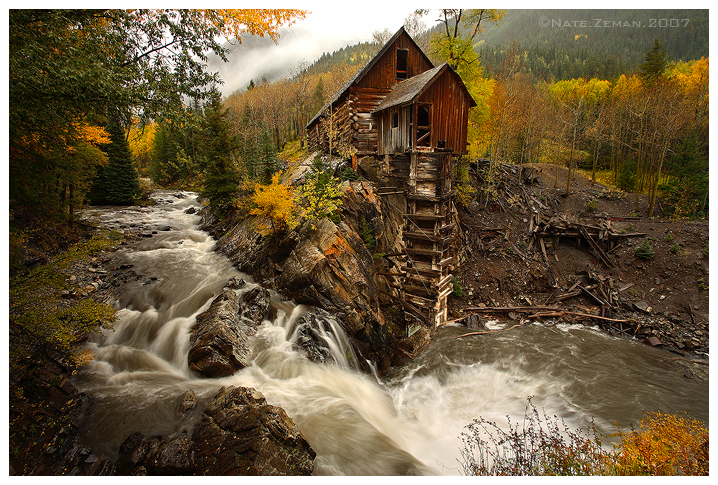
(357, 423)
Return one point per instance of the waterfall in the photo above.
(406, 423)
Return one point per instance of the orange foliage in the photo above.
(667, 444)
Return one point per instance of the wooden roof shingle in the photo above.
(410, 89)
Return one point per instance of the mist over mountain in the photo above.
(258, 57)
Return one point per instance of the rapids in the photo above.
(409, 422)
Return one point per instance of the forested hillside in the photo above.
(565, 44)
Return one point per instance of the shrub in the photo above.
(348, 174)
(536, 448)
(275, 203)
(666, 445)
(458, 290)
(592, 204)
(367, 234)
(644, 250)
(320, 195)
(675, 248)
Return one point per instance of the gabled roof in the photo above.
(364, 70)
(407, 91)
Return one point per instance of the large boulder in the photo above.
(240, 434)
(219, 340)
(328, 265)
(331, 268)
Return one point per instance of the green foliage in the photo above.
(66, 67)
(655, 63)
(177, 158)
(42, 321)
(366, 231)
(675, 249)
(566, 52)
(592, 204)
(348, 174)
(458, 290)
(221, 177)
(320, 196)
(117, 183)
(644, 250)
(685, 192)
(627, 177)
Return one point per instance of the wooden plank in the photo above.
(599, 252)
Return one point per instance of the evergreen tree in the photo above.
(318, 97)
(221, 175)
(117, 183)
(656, 62)
(267, 155)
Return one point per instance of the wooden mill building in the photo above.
(413, 116)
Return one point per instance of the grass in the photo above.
(293, 153)
(41, 320)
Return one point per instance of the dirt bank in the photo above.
(502, 265)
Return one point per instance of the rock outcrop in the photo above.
(219, 340)
(329, 266)
(238, 434)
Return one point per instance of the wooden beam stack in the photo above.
(428, 233)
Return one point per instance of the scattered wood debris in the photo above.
(549, 230)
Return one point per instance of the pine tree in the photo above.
(117, 183)
(221, 175)
(267, 155)
(656, 62)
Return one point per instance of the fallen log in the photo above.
(523, 309)
(488, 331)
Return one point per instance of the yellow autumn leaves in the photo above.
(280, 207)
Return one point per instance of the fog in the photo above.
(256, 57)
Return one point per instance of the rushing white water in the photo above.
(409, 423)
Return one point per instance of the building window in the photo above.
(423, 127)
(395, 120)
(401, 63)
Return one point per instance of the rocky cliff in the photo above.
(337, 267)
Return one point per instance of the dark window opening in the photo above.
(401, 64)
(441, 144)
(395, 120)
(423, 131)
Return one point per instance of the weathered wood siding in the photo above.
(383, 73)
(449, 112)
